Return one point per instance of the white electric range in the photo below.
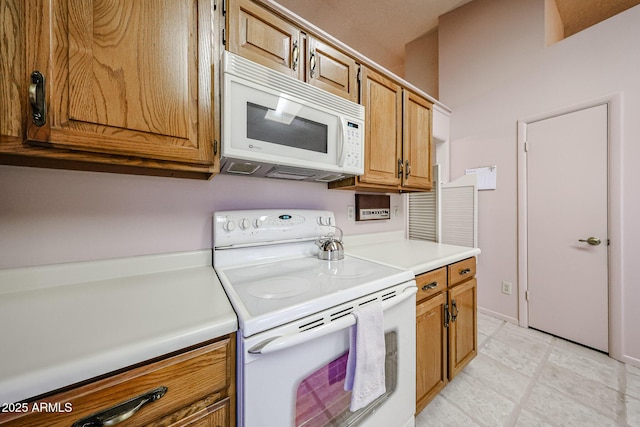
(294, 316)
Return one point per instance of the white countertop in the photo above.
(393, 249)
(71, 322)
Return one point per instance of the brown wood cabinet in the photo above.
(446, 327)
(199, 388)
(416, 142)
(266, 38)
(398, 138)
(125, 84)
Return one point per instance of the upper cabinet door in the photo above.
(125, 77)
(258, 35)
(417, 142)
(332, 70)
(382, 100)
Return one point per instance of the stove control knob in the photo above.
(324, 220)
(244, 224)
(257, 223)
(229, 225)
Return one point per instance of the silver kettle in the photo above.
(330, 247)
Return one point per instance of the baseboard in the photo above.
(498, 315)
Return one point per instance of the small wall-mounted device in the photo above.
(372, 206)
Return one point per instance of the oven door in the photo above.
(288, 378)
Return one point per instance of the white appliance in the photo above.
(278, 127)
(294, 312)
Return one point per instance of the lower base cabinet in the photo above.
(446, 327)
(194, 388)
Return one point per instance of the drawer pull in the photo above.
(429, 286)
(465, 271)
(122, 411)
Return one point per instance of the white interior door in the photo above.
(566, 203)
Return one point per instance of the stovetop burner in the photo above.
(278, 287)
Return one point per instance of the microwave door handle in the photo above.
(274, 344)
(343, 152)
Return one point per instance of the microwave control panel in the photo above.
(354, 146)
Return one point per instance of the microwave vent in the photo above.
(284, 172)
(330, 178)
(243, 168)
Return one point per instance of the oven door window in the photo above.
(321, 399)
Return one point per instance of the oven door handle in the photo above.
(282, 342)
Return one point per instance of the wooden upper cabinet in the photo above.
(331, 70)
(262, 36)
(382, 100)
(130, 78)
(259, 35)
(417, 137)
(398, 138)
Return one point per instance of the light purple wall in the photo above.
(496, 70)
(53, 216)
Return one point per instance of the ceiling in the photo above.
(380, 29)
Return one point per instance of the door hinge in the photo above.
(215, 147)
(224, 7)
(224, 37)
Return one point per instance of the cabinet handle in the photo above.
(454, 310)
(312, 63)
(37, 99)
(447, 315)
(429, 286)
(407, 170)
(295, 54)
(122, 411)
(465, 271)
(400, 168)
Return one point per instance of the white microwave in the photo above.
(275, 126)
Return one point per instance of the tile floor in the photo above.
(522, 377)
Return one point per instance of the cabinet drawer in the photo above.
(431, 283)
(462, 270)
(188, 377)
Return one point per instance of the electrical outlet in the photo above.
(506, 288)
(350, 213)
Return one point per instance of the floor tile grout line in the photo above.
(621, 408)
(532, 384)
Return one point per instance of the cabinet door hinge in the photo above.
(224, 7)
(215, 147)
(224, 37)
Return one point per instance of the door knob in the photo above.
(594, 241)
